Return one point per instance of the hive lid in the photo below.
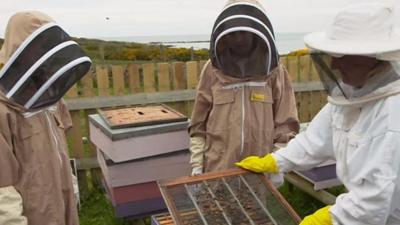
(321, 177)
(124, 133)
(141, 115)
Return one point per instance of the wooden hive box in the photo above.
(131, 143)
(162, 219)
(137, 208)
(144, 170)
(133, 193)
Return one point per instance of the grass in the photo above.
(97, 210)
(301, 202)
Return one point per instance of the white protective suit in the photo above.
(363, 136)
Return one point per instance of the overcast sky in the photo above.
(88, 18)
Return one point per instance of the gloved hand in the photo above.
(266, 164)
(11, 209)
(197, 154)
(197, 170)
(320, 217)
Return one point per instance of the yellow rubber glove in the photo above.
(266, 164)
(320, 217)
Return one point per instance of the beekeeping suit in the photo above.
(360, 125)
(40, 63)
(245, 102)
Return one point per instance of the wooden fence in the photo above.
(170, 83)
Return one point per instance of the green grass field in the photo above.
(97, 210)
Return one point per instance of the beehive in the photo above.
(132, 158)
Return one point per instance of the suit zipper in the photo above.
(53, 135)
(242, 131)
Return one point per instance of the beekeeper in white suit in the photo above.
(358, 61)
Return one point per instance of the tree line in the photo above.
(129, 51)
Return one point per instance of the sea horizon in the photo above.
(286, 42)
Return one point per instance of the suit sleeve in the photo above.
(201, 110)
(10, 200)
(286, 121)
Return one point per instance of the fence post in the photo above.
(164, 81)
(118, 80)
(179, 84)
(148, 78)
(134, 79)
(293, 67)
(88, 91)
(192, 74)
(305, 97)
(201, 66)
(192, 80)
(75, 135)
(103, 82)
(72, 92)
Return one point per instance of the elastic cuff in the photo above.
(197, 170)
(282, 163)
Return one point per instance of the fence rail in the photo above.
(170, 83)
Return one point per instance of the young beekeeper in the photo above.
(358, 61)
(40, 63)
(245, 102)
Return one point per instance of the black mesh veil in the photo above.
(243, 27)
(43, 68)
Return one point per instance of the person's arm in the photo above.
(286, 121)
(10, 200)
(309, 148)
(370, 199)
(197, 128)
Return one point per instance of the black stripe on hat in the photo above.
(245, 22)
(46, 70)
(245, 9)
(26, 56)
(63, 83)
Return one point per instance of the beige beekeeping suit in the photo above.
(35, 178)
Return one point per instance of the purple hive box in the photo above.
(144, 170)
(138, 209)
(322, 177)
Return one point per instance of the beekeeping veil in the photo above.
(40, 61)
(364, 29)
(247, 22)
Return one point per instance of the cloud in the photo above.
(87, 18)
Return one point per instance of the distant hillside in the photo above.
(113, 50)
(130, 51)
